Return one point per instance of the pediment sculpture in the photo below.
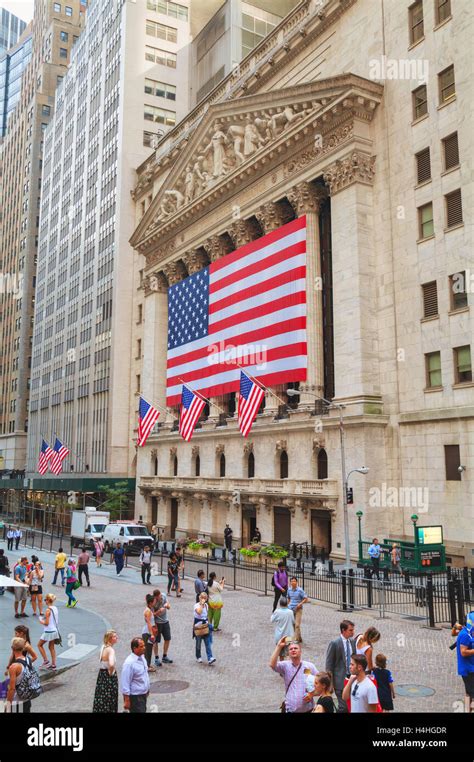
(225, 147)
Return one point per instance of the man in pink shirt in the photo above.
(294, 673)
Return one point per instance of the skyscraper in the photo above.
(11, 29)
(35, 66)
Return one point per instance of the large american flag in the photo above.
(44, 456)
(191, 408)
(250, 399)
(249, 301)
(60, 452)
(147, 417)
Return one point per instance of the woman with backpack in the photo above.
(50, 633)
(21, 631)
(71, 581)
(24, 682)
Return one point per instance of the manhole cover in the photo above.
(168, 686)
(415, 618)
(413, 691)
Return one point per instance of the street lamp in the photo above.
(362, 470)
(359, 515)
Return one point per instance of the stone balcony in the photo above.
(225, 488)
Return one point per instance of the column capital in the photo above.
(217, 246)
(155, 282)
(357, 167)
(273, 215)
(195, 260)
(243, 231)
(175, 271)
(307, 197)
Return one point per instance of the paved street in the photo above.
(241, 679)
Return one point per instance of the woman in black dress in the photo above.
(106, 690)
(323, 693)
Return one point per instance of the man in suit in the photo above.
(338, 659)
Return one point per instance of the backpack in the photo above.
(273, 580)
(29, 685)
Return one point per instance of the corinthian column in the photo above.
(306, 199)
(155, 340)
(356, 368)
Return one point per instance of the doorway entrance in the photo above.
(281, 526)
(321, 530)
(174, 517)
(154, 510)
(249, 523)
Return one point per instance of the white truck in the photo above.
(88, 525)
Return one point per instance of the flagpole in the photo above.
(198, 394)
(160, 407)
(260, 383)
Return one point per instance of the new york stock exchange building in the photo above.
(308, 135)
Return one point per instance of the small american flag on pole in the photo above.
(45, 454)
(191, 408)
(147, 417)
(250, 399)
(59, 452)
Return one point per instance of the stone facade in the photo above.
(295, 135)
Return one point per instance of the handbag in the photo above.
(76, 585)
(201, 630)
(283, 703)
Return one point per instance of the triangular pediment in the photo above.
(233, 135)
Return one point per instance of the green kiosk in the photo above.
(425, 555)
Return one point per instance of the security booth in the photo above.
(425, 555)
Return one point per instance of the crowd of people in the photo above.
(355, 678)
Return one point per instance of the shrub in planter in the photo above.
(274, 552)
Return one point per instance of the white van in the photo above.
(134, 536)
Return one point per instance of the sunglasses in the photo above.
(354, 692)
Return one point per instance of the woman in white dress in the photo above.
(364, 645)
(50, 632)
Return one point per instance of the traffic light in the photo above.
(350, 496)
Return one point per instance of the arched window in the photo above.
(322, 464)
(284, 465)
(155, 466)
(251, 466)
(197, 469)
(175, 466)
(222, 465)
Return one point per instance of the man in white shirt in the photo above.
(360, 689)
(284, 621)
(134, 681)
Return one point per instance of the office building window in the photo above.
(63, 52)
(447, 87)
(45, 110)
(63, 36)
(254, 30)
(452, 462)
(57, 8)
(453, 209)
(68, 10)
(161, 31)
(174, 10)
(423, 166)
(160, 89)
(420, 102)
(425, 221)
(415, 15)
(451, 151)
(430, 299)
(442, 10)
(163, 57)
(160, 115)
(462, 365)
(433, 370)
(458, 291)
